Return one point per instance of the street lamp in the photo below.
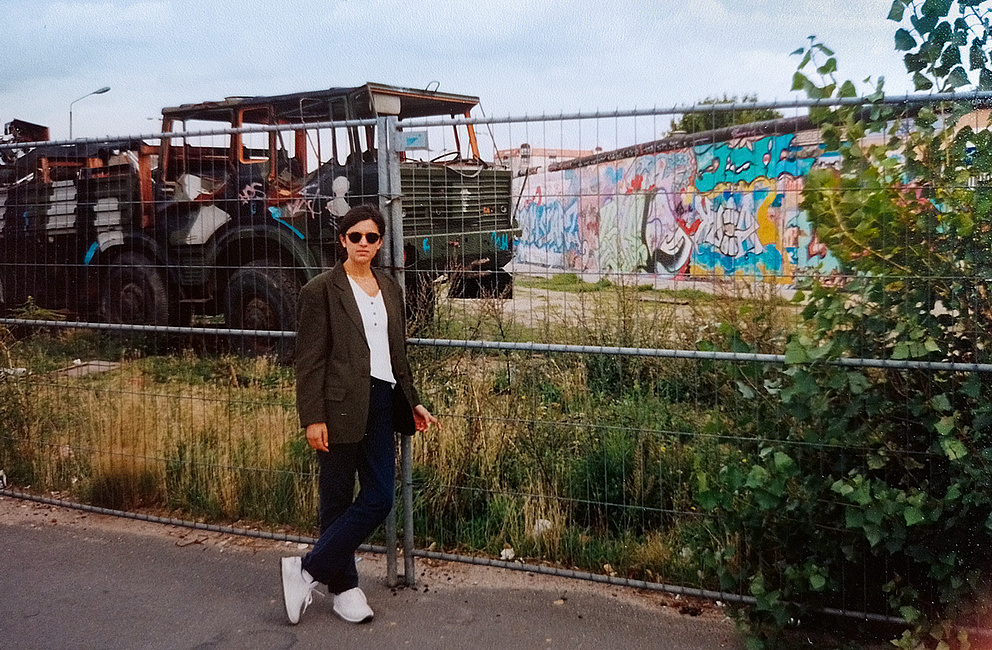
(99, 91)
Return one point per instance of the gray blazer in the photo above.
(332, 357)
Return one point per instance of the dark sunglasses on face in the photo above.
(370, 237)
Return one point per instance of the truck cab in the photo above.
(270, 201)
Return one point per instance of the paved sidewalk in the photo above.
(70, 579)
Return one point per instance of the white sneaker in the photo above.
(297, 588)
(352, 606)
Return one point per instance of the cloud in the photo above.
(130, 20)
(62, 39)
(519, 56)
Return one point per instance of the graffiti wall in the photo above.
(727, 208)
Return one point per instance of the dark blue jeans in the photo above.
(346, 520)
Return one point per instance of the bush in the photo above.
(875, 481)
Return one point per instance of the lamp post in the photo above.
(99, 91)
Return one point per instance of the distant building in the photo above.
(525, 158)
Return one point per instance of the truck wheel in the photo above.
(134, 292)
(262, 296)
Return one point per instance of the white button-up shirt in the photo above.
(374, 318)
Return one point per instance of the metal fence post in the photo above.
(409, 572)
(390, 204)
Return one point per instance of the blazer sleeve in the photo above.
(312, 352)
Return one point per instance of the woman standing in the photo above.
(353, 391)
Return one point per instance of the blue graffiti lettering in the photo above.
(501, 240)
(768, 157)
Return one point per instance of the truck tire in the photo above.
(262, 295)
(495, 285)
(134, 291)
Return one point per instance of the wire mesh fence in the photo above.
(624, 327)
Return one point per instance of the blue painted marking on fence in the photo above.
(91, 253)
(274, 212)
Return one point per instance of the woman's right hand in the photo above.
(317, 436)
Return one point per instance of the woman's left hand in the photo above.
(423, 419)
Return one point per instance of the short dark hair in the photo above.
(361, 213)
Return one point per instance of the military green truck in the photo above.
(234, 224)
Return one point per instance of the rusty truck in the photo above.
(234, 224)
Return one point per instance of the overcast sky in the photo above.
(519, 56)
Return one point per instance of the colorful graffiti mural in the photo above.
(726, 208)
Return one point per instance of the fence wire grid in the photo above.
(602, 310)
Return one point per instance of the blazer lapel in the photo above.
(344, 293)
(393, 307)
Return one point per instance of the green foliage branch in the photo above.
(876, 482)
(706, 120)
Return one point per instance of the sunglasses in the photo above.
(370, 237)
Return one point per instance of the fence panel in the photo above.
(626, 332)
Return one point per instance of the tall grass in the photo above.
(209, 437)
(579, 460)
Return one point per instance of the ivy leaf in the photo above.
(924, 23)
(945, 426)
(873, 533)
(896, 11)
(953, 448)
(861, 495)
(783, 462)
(958, 78)
(942, 403)
(985, 79)
(708, 501)
(857, 383)
(800, 82)
(854, 517)
(913, 515)
(914, 62)
(756, 478)
(921, 83)
(936, 8)
(953, 493)
(909, 614)
(828, 67)
(904, 40)
(976, 57)
(951, 57)
(795, 352)
(842, 487)
(816, 581)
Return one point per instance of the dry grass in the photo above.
(522, 446)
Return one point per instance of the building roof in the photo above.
(317, 106)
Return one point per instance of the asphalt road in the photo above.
(75, 580)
